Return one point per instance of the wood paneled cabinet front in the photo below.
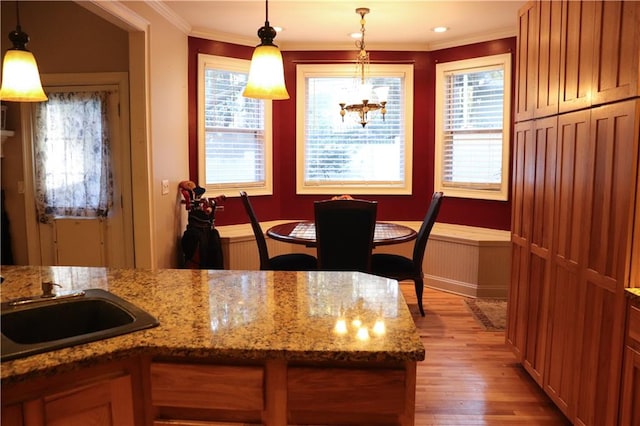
(103, 402)
(575, 187)
(276, 393)
(575, 54)
(532, 225)
(187, 392)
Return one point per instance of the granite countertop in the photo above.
(633, 293)
(242, 315)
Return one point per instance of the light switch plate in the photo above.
(165, 187)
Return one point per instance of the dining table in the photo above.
(304, 232)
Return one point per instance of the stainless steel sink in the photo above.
(56, 323)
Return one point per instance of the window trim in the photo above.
(237, 65)
(304, 71)
(462, 191)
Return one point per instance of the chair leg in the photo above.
(419, 285)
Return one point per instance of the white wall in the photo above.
(167, 130)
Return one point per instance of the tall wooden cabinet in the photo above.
(575, 228)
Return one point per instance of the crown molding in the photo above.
(317, 46)
(116, 13)
(167, 13)
(118, 9)
(225, 37)
(479, 38)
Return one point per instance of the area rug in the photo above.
(491, 313)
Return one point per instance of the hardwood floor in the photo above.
(469, 376)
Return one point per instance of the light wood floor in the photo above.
(469, 376)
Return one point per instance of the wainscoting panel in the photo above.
(465, 260)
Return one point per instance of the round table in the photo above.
(304, 232)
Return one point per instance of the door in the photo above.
(105, 403)
(94, 240)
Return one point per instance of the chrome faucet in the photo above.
(47, 289)
(47, 294)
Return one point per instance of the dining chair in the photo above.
(344, 234)
(282, 262)
(402, 268)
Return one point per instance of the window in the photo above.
(234, 132)
(336, 157)
(472, 127)
(72, 151)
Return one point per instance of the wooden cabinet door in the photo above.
(576, 55)
(565, 299)
(610, 200)
(105, 403)
(526, 59)
(617, 51)
(520, 231)
(547, 71)
(532, 226)
(543, 159)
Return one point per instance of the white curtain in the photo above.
(72, 161)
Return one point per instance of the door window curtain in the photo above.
(72, 156)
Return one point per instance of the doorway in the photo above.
(104, 239)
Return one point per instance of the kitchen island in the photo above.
(265, 347)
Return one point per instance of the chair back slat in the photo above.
(425, 229)
(263, 250)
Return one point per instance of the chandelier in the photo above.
(364, 104)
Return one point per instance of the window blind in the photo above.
(345, 153)
(473, 128)
(234, 131)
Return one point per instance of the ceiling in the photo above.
(326, 24)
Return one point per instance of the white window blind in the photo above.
(473, 131)
(344, 157)
(234, 152)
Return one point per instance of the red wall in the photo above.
(285, 204)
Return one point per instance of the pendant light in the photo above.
(266, 74)
(20, 76)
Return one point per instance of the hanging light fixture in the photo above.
(266, 74)
(364, 104)
(20, 76)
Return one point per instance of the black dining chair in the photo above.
(283, 262)
(344, 234)
(402, 268)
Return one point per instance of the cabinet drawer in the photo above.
(207, 386)
(354, 391)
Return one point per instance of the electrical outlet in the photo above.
(165, 187)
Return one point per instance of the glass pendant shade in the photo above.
(382, 93)
(266, 75)
(20, 78)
